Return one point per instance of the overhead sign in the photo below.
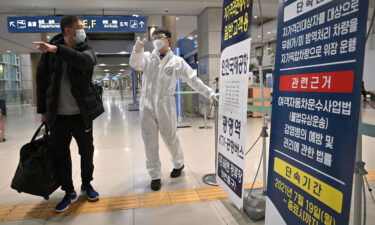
(234, 76)
(315, 111)
(51, 24)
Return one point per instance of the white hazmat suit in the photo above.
(157, 103)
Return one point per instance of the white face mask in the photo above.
(80, 36)
(159, 44)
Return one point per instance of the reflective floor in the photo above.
(120, 167)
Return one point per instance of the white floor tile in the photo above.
(25, 222)
(203, 213)
(124, 217)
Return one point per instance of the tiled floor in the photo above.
(120, 168)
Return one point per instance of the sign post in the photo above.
(232, 117)
(315, 111)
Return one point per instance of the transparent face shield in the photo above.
(159, 41)
(158, 37)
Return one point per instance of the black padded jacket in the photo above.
(80, 61)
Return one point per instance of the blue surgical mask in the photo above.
(80, 36)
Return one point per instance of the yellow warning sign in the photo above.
(315, 187)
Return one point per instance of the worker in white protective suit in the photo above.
(161, 71)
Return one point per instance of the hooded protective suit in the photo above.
(157, 103)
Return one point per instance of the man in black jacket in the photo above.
(69, 104)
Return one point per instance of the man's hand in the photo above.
(215, 97)
(44, 47)
(139, 45)
(43, 118)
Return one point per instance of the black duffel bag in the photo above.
(36, 173)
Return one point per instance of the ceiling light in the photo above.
(106, 70)
(48, 36)
(135, 15)
(123, 64)
(122, 70)
(177, 18)
(102, 64)
(268, 32)
(196, 36)
(259, 36)
(8, 51)
(255, 17)
(123, 52)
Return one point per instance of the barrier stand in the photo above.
(135, 105)
(210, 179)
(205, 117)
(2, 129)
(181, 120)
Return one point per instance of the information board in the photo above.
(315, 111)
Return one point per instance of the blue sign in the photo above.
(236, 25)
(111, 78)
(315, 111)
(51, 24)
(186, 45)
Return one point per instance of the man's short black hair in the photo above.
(68, 21)
(162, 31)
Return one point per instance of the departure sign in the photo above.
(51, 24)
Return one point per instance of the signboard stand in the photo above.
(264, 134)
(255, 202)
(358, 175)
